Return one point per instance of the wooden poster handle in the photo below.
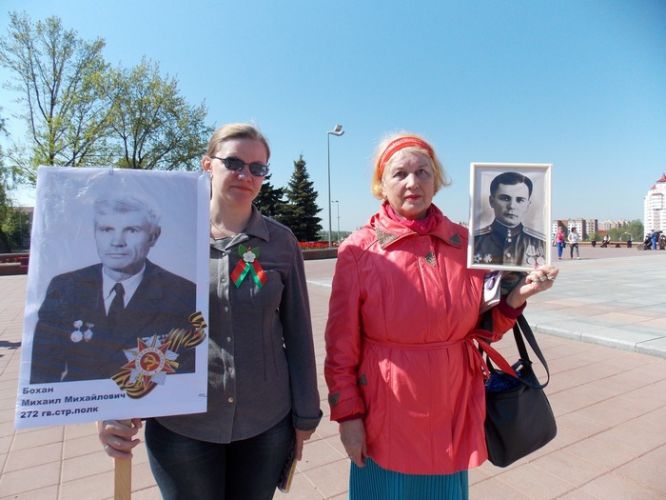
(122, 481)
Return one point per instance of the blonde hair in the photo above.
(380, 163)
(236, 131)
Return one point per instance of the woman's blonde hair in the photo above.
(236, 131)
(410, 142)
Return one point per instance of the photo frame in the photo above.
(92, 350)
(509, 225)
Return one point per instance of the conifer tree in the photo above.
(301, 211)
(270, 200)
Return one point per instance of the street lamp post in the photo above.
(338, 132)
(337, 205)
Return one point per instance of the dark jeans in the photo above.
(574, 246)
(249, 469)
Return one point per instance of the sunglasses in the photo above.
(236, 165)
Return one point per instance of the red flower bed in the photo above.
(313, 244)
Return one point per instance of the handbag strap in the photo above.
(520, 329)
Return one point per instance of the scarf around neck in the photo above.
(420, 226)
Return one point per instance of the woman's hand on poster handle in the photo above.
(117, 436)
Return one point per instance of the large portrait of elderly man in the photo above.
(112, 285)
(509, 216)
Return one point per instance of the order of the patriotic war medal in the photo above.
(155, 357)
(151, 360)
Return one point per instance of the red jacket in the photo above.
(399, 348)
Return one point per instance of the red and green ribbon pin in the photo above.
(249, 264)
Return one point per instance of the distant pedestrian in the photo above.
(653, 239)
(574, 238)
(560, 242)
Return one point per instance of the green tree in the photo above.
(80, 111)
(5, 213)
(270, 200)
(5, 203)
(300, 214)
(58, 77)
(636, 229)
(153, 124)
(16, 228)
(633, 228)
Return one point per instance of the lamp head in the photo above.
(337, 130)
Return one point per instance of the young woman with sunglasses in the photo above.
(263, 401)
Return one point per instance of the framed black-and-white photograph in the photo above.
(509, 216)
(117, 297)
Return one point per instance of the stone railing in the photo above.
(13, 263)
(320, 253)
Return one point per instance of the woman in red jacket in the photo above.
(405, 379)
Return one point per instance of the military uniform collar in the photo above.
(389, 231)
(503, 231)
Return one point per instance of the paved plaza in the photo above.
(602, 329)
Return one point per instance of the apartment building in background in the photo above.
(654, 207)
(584, 227)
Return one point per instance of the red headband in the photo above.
(403, 142)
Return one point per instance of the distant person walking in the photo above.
(574, 238)
(653, 238)
(560, 242)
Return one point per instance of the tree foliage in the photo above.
(58, 76)
(4, 201)
(270, 200)
(5, 204)
(5, 213)
(155, 126)
(80, 111)
(15, 227)
(300, 214)
(633, 228)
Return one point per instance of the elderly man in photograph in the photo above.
(507, 241)
(91, 317)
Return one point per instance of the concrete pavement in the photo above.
(606, 346)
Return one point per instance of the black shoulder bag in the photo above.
(519, 419)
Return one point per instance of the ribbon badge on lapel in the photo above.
(249, 264)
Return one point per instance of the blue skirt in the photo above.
(375, 483)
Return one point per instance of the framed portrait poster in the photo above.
(117, 297)
(509, 216)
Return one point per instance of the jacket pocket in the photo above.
(373, 381)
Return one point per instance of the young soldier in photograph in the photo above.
(507, 241)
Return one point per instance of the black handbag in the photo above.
(519, 419)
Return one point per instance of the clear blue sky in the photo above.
(580, 84)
